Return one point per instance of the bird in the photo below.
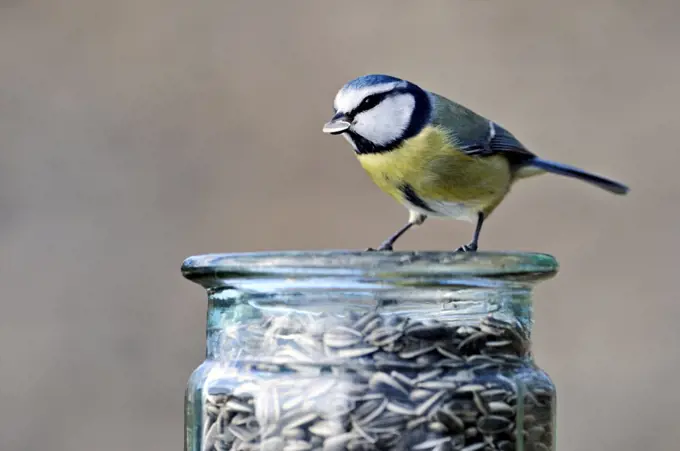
(435, 156)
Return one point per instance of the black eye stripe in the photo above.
(370, 102)
(374, 99)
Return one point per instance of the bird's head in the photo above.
(376, 113)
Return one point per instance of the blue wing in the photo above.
(474, 134)
(497, 140)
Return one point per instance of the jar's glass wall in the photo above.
(342, 356)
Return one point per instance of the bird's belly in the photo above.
(466, 211)
(435, 179)
(407, 191)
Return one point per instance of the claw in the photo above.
(472, 247)
(383, 247)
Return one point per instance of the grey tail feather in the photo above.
(570, 171)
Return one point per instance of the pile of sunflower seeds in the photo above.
(382, 383)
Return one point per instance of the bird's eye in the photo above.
(369, 102)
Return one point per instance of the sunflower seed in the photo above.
(437, 427)
(366, 382)
(383, 336)
(470, 388)
(380, 380)
(364, 320)
(359, 351)
(338, 442)
(326, 428)
(493, 424)
(321, 387)
(477, 360)
(386, 423)
(293, 433)
(489, 329)
(498, 344)
(241, 419)
(449, 419)
(466, 330)
(500, 408)
(424, 407)
(236, 406)
(216, 399)
(368, 397)
(429, 375)
(479, 402)
(438, 384)
(399, 408)
(272, 444)
(371, 326)
(301, 420)
(474, 447)
(211, 436)
(356, 427)
(242, 433)
(298, 445)
(414, 423)
(415, 351)
(432, 444)
(370, 406)
(359, 444)
(451, 355)
(293, 402)
(471, 339)
(428, 332)
(212, 409)
(406, 381)
(494, 394)
(419, 395)
(341, 337)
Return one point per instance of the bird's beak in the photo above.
(338, 124)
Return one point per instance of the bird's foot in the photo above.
(383, 247)
(472, 247)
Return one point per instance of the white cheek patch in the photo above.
(347, 100)
(386, 122)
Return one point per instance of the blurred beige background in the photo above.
(134, 133)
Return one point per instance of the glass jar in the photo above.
(369, 351)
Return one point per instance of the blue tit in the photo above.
(435, 156)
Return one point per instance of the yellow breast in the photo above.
(439, 173)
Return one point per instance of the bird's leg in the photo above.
(387, 245)
(472, 247)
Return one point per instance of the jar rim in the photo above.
(525, 266)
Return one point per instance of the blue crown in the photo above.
(370, 80)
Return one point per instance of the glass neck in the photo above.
(452, 306)
(247, 291)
